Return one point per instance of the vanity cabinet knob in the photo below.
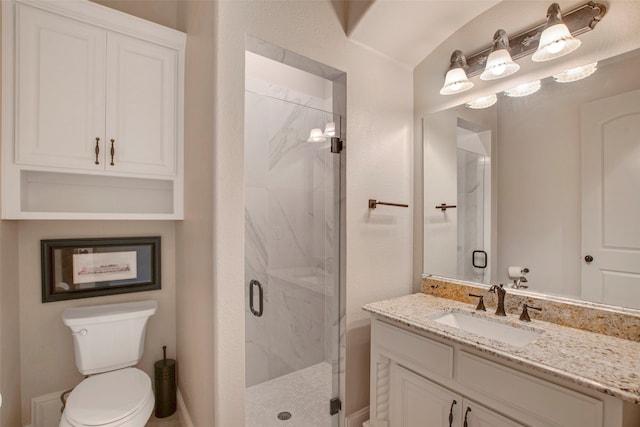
(451, 413)
(466, 415)
(113, 151)
(588, 259)
(97, 151)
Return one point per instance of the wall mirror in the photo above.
(549, 182)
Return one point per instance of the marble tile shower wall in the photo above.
(288, 237)
(470, 213)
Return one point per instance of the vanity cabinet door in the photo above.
(60, 90)
(415, 401)
(478, 416)
(142, 105)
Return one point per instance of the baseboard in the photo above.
(186, 418)
(45, 410)
(358, 418)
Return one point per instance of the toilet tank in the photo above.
(108, 337)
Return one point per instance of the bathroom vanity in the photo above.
(428, 368)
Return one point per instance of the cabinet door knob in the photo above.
(451, 413)
(97, 150)
(588, 259)
(113, 151)
(466, 414)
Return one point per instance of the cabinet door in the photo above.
(142, 105)
(415, 401)
(60, 90)
(475, 415)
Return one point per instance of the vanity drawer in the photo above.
(413, 351)
(551, 404)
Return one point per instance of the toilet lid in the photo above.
(105, 398)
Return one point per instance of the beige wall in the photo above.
(163, 12)
(194, 235)
(9, 325)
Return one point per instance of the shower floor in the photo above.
(304, 393)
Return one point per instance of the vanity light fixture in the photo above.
(499, 62)
(456, 80)
(523, 89)
(555, 40)
(577, 73)
(483, 102)
(316, 135)
(579, 20)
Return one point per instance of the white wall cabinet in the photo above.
(420, 381)
(94, 103)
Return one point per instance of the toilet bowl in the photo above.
(121, 398)
(108, 341)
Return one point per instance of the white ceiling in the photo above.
(409, 30)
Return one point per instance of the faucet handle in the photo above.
(525, 314)
(480, 306)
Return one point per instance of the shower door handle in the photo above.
(473, 259)
(252, 285)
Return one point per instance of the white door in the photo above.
(610, 200)
(478, 416)
(142, 105)
(60, 78)
(415, 401)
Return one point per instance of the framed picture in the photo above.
(84, 268)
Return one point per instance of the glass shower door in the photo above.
(292, 240)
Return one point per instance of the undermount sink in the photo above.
(507, 334)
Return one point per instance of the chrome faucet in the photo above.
(500, 292)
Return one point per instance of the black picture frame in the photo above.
(93, 267)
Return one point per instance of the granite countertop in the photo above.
(607, 364)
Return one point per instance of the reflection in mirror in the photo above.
(545, 182)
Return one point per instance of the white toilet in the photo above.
(108, 340)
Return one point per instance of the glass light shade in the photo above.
(524, 89)
(577, 73)
(484, 102)
(499, 64)
(330, 129)
(316, 136)
(455, 81)
(555, 41)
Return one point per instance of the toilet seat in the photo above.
(117, 398)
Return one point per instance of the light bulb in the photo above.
(484, 102)
(577, 73)
(499, 62)
(524, 89)
(498, 70)
(456, 80)
(555, 47)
